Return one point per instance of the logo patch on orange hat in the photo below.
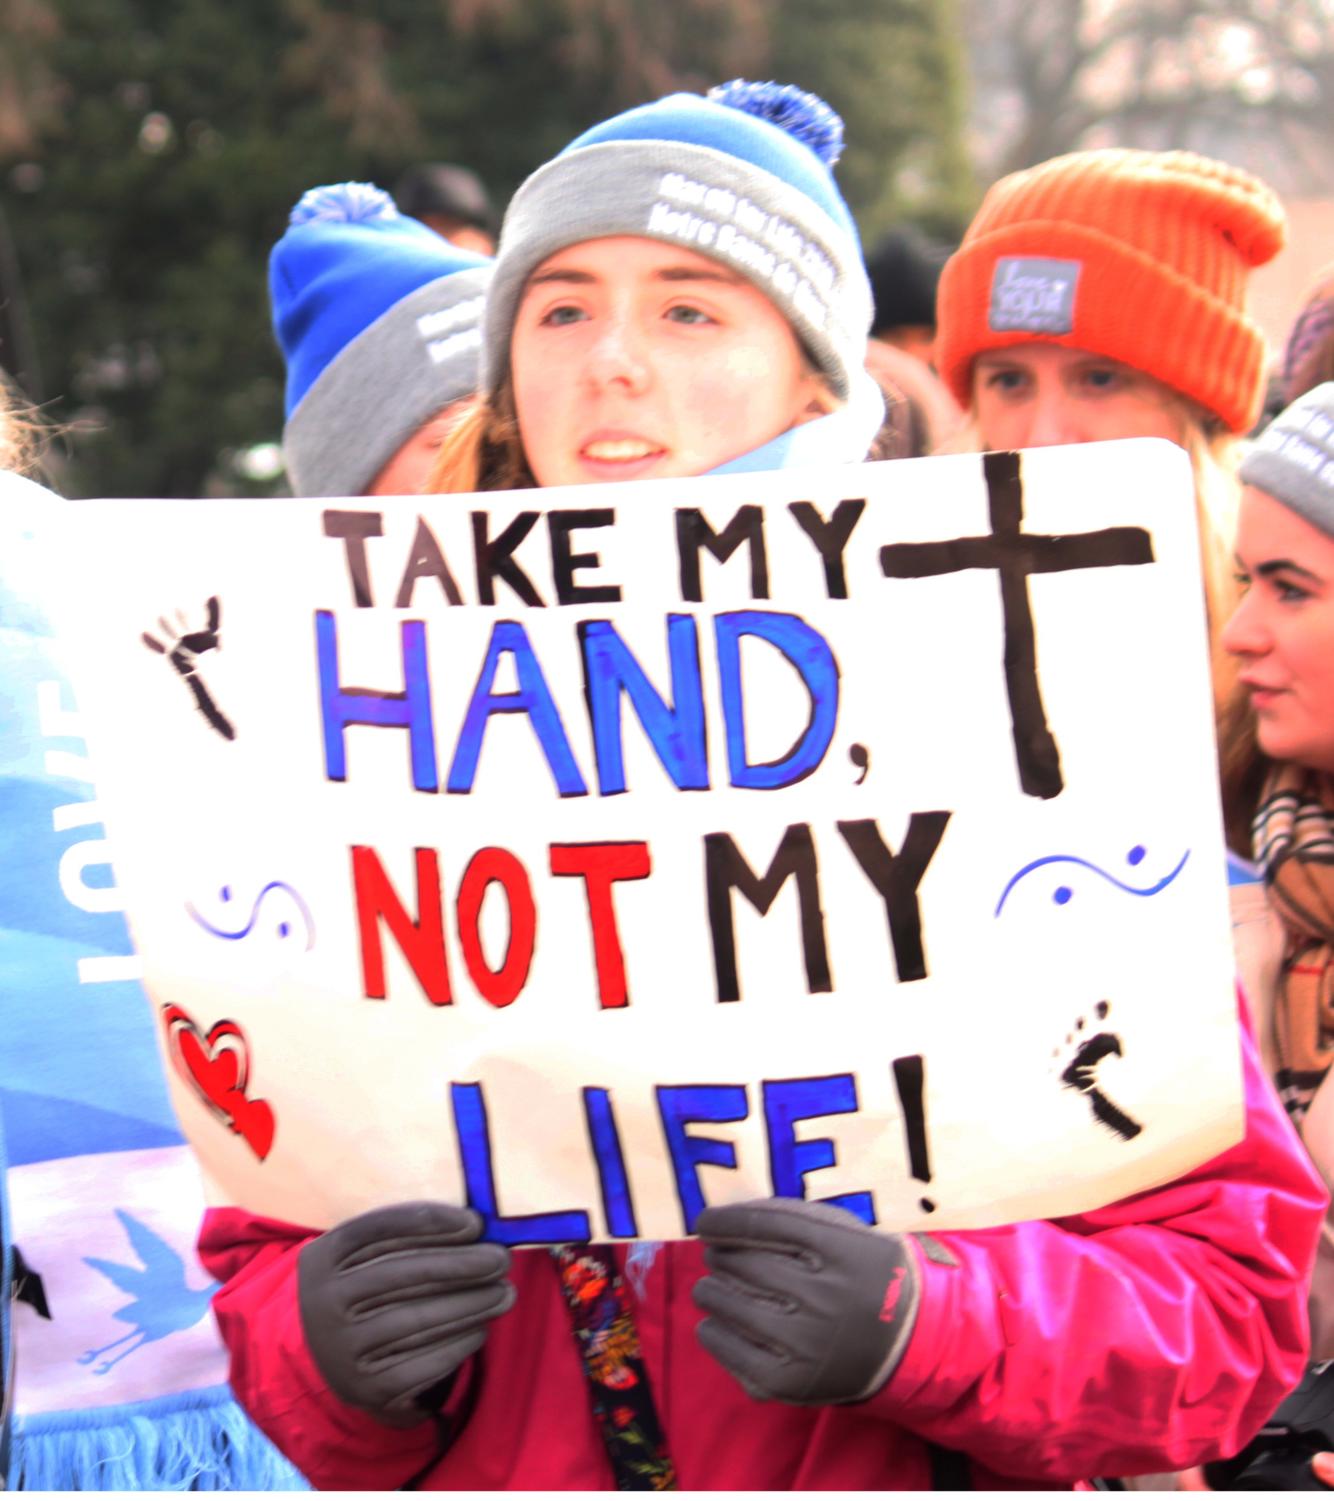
(1033, 295)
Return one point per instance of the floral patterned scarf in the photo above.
(618, 1385)
(1294, 845)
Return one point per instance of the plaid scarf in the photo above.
(1294, 846)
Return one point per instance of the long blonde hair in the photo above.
(1242, 766)
(1214, 456)
(23, 435)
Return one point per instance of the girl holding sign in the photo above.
(681, 291)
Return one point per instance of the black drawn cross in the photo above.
(1015, 554)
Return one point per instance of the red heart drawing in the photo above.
(217, 1068)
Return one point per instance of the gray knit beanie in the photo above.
(1293, 459)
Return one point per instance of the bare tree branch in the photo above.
(1232, 77)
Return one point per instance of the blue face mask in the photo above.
(842, 437)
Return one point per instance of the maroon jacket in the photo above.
(1150, 1335)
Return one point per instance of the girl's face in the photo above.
(1036, 395)
(410, 467)
(1283, 630)
(633, 359)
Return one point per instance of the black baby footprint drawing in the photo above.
(1081, 1073)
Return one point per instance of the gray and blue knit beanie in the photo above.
(379, 320)
(1293, 459)
(743, 175)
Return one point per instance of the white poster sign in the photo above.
(593, 855)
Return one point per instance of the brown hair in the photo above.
(1242, 767)
(483, 450)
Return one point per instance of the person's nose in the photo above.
(1246, 633)
(1051, 420)
(618, 357)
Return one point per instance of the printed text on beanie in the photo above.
(379, 320)
(713, 176)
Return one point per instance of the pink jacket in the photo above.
(1151, 1335)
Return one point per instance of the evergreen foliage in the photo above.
(151, 150)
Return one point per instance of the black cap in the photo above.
(904, 270)
(445, 189)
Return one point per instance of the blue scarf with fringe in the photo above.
(120, 1373)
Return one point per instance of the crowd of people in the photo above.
(1098, 296)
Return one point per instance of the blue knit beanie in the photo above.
(379, 322)
(742, 175)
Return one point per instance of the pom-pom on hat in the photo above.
(379, 320)
(1140, 256)
(1293, 459)
(743, 175)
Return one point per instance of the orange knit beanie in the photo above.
(1141, 256)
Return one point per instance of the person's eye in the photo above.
(1242, 580)
(683, 312)
(1290, 593)
(561, 314)
(1101, 378)
(1004, 380)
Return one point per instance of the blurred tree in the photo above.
(141, 213)
(895, 71)
(29, 93)
(1248, 80)
(150, 151)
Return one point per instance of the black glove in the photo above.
(395, 1300)
(806, 1304)
(1279, 1457)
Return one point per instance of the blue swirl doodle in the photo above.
(1062, 894)
(284, 928)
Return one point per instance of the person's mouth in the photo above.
(1263, 695)
(620, 455)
